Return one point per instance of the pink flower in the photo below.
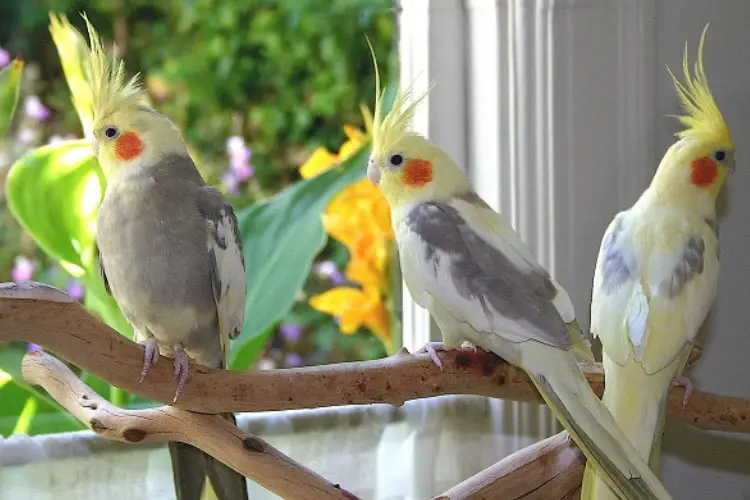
(291, 332)
(23, 270)
(34, 108)
(75, 289)
(328, 269)
(4, 57)
(231, 183)
(239, 158)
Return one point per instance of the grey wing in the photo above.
(227, 263)
(479, 282)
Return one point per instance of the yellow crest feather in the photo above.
(702, 118)
(73, 52)
(109, 87)
(388, 130)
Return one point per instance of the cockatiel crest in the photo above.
(126, 129)
(405, 177)
(705, 144)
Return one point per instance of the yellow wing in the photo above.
(655, 280)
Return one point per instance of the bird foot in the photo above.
(687, 384)
(181, 369)
(432, 348)
(150, 357)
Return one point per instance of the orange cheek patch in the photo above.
(705, 172)
(417, 173)
(128, 146)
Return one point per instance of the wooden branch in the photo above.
(551, 469)
(47, 316)
(247, 454)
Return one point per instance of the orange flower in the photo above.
(355, 308)
(360, 219)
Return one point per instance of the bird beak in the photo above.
(373, 173)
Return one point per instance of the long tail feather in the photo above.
(638, 403)
(566, 391)
(191, 467)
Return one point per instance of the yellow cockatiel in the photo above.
(657, 274)
(480, 282)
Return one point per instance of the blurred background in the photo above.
(268, 95)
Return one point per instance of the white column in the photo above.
(549, 105)
(432, 49)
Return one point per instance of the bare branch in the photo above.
(247, 454)
(550, 469)
(48, 317)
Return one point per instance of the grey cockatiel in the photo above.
(169, 250)
(466, 265)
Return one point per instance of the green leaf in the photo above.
(25, 408)
(10, 88)
(281, 237)
(54, 192)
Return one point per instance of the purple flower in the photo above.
(33, 347)
(23, 269)
(239, 158)
(243, 172)
(26, 135)
(291, 332)
(328, 269)
(75, 289)
(34, 108)
(231, 183)
(4, 57)
(293, 359)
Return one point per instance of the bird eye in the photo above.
(720, 155)
(111, 132)
(396, 160)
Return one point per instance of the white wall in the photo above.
(561, 123)
(700, 464)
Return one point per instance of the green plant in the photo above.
(282, 235)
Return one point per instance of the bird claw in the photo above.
(687, 384)
(150, 356)
(181, 369)
(432, 348)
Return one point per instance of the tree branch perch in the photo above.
(552, 468)
(47, 316)
(247, 454)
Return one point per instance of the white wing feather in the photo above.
(230, 295)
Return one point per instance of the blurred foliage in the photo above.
(279, 78)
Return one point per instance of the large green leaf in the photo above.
(10, 88)
(25, 408)
(281, 237)
(54, 192)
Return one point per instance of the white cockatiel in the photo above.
(466, 265)
(169, 247)
(657, 275)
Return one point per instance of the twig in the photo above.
(551, 469)
(49, 317)
(247, 454)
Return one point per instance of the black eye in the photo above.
(111, 132)
(396, 160)
(720, 155)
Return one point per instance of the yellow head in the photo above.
(127, 133)
(704, 156)
(407, 167)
